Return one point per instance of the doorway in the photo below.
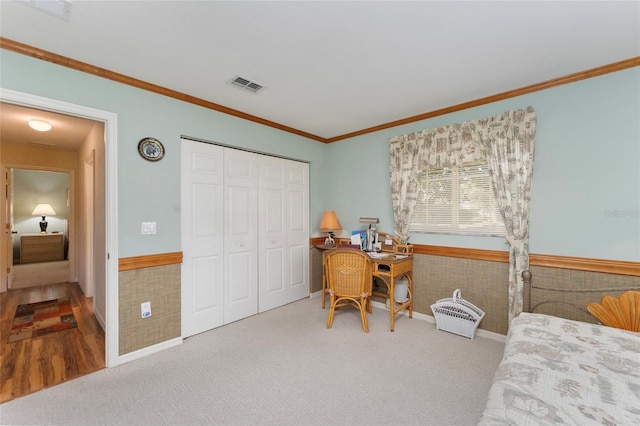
(104, 207)
(41, 243)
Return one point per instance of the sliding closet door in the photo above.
(273, 237)
(244, 216)
(240, 234)
(297, 230)
(202, 236)
(283, 224)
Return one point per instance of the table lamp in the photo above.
(43, 210)
(330, 224)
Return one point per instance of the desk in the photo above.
(388, 270)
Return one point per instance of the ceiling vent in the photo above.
(246, 84)
(58, 8)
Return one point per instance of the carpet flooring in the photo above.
(42, 273)
(284, 367)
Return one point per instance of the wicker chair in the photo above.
(619, 312)
(349, 276)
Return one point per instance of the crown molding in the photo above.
(64, 61)
(571, 78)
(44, 55)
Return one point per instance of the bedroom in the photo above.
(569, 197)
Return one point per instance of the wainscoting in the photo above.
(155, 279)
(481, 275)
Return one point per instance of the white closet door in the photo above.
(283, 224)
(273, 236)
(202, 237)
(241, 235)
(297, 230)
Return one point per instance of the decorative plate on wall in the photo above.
(151, 149)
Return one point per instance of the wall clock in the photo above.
(151, 149)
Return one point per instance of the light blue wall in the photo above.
(586, 190)
(33, 187)
(586, 184)
(149, 191)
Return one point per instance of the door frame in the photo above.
(110, 121)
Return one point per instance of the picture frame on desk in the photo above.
(363, 237)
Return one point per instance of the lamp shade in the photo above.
(330, 222)
(43, 210)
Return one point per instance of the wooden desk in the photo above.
(389, 270)
(41, 248)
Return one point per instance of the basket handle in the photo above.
(456, 295)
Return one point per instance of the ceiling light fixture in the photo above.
(41, 126)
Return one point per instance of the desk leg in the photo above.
(324, 289)
(410, 279)
(392, 306)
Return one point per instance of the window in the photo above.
(457, 200)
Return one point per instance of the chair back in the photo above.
(349, 272)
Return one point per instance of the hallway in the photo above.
(36, 363)
(38, 274)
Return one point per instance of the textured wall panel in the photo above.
(159, 285)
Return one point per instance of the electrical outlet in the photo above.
(145, 309)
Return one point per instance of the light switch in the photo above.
(148, 228)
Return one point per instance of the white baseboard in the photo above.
(100, 319)
(149, 350)
(316, 294)
(429, 318)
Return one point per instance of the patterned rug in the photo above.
(38, 319)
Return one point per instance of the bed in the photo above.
(562, 371)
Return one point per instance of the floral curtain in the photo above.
(506, 142)
(404, 153)
(508, 145)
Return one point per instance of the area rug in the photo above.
(40, 318)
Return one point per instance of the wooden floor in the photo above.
(33, 364)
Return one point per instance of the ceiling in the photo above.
(67, 132)
(330, 68)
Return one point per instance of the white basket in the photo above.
(457, 316)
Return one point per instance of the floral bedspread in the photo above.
(559, 371)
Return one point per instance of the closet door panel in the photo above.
(241, 235)
(202, 237)
(272, 228)
(274, 246)
(297, 230)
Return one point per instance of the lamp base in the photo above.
(329, 241)
(43, 226)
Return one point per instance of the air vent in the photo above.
(58, 8)
(246, 84)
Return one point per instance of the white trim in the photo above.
(101, 321)
(150, 350)
(110, 120)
